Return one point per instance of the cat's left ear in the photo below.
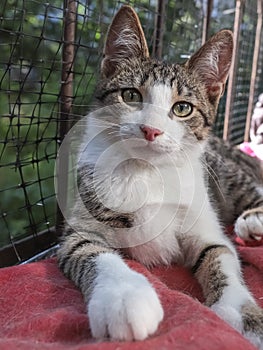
(211, 63)
(125, 40)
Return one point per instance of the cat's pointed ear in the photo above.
(125, 40)
(211, 63)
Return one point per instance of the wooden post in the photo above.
(206, 21)
(233, 70)
(65, 105)
(251, 99)
(159, 30)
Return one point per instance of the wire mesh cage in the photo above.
(30, 65)
(240, 94)
(50, 54)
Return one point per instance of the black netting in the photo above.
(243, 75)
(222, 16)
(30, 67)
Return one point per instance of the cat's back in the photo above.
(221, 153)
(231, 175)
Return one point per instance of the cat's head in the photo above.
(165, 105)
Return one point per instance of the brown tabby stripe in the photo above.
(95, 206)
(248, 197)
(116, 221)
(86, 272)
(207, 123)
(179, 87)
(172, 83)
(252, 317)
(63, 261)
(209, 274)
(82, 271)
(203, 255)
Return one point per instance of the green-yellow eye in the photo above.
(131, 96)
(182, 109)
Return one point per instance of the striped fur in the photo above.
(235, 185)
(148, 198)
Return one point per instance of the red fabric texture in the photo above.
(41, 309)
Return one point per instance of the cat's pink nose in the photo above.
(150, 134)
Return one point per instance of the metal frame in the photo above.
(254, 72)
(232, 75)
(66, 100)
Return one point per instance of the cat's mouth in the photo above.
(141, 146)
(159, 147)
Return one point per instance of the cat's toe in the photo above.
(130, 310)
(249, 225)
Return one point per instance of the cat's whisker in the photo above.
(214, 177)
(113, 132)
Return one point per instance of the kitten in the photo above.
(143, 189)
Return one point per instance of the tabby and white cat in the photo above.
(144, 192)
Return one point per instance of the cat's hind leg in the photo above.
(249, 225)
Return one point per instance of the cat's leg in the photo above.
(215, 263)
(249, 225)
(217, 270)
(121, 303)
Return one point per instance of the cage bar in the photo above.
(159, 30)
(232, 75)
(66, 100)
(256, 53)
(206, 20)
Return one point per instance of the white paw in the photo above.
(124, 306)
(248, 322)
(249, 225)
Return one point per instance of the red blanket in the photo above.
(41, 309)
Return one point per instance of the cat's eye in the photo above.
(131, 96)
(182, 109)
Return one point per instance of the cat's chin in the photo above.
(160, 148)
(149, 149)
(155, 154)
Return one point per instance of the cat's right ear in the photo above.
(211, 63)
(125, 40)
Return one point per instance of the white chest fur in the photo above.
(163, 200)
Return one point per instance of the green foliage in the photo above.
(30, 74)
(183, 29)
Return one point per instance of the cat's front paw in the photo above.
(248, 321)
(249, 225)
(124, 309)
